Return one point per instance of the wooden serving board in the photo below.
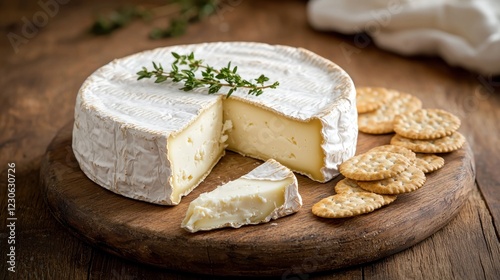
(300, 243)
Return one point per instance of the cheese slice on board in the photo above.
(156, 143)
(268, 192)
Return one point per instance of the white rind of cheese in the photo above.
(266, 193)
(155, 142)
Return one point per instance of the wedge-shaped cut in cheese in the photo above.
(268, 192)
(155, 142)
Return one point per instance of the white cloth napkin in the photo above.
(464, 33)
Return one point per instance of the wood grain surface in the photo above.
(151, 234)
(39, 83)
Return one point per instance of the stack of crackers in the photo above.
(374, 179)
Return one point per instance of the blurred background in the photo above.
(49, 47)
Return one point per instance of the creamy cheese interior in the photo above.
(255, 132)
(194, 151)
(237, 203)
(263, 134)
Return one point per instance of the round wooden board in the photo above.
(300, 243)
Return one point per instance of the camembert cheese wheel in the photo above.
(266, 193)
(156, 143)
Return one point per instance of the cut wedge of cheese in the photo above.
(156, 143)
(268, 192)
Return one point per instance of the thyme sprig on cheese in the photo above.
(184, 70)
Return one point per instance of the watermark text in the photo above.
(11, 217)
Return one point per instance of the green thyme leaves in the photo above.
(184, 69)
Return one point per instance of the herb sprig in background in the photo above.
(179, 14)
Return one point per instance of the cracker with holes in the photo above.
(348, 186)
(426, 124)
(428, 162)
(381, 121)
(407, 181)
(374, 166)
(395, 149)
(371, 98)
(347, 205)
(445, 144)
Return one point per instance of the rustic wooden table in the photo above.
(46, 53)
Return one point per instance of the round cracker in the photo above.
(347, 205)
(426, 124)
(428, 162)
(348, 186)
(445, 144)
(407, 181)
(395, 149)
(371, 98)
(374, 166)
(381, 121)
